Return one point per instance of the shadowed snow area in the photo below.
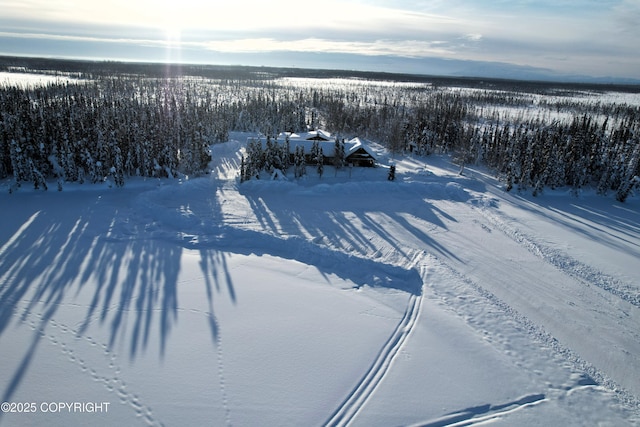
(434, 300)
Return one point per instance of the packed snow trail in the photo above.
(563, 261)
(577, 306)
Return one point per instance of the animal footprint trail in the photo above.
(70, 340)
(215, 330)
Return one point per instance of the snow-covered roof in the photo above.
(314, 134)
(328, 147)
(354, 145)
(305, 141)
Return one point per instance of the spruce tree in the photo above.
(37, 177)
(320, 163)
(338, 156)
(315, 151)
(299, 162)
(392, 172)
(117, 168)
(286, 154)
(19, 162)
(630, 178)
(243, 170)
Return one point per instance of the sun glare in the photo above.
(235, 15)
(173, 35)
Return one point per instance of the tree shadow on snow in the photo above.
(78, 256)
(117, 266)
(360, 221)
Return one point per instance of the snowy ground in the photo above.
(434, 300)
(26, 80)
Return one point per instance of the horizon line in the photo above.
(568, 79)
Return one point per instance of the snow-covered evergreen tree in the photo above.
(339, 154)
(255, 158)
(37, 177)
(631, 175)
(117, 170)
(392, 172)
(286, 154)
(243, 170)
(299, 162)
(320, 163)
(315, 151)
(19, 162)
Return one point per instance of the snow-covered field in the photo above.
(433, 300)
(26, 80)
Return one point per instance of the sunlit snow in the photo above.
(434, 300)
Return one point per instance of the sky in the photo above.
(591, 38)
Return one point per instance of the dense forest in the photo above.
(109, 121)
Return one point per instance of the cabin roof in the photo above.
(318, 135)
(325, 140)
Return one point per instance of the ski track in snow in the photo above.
(575, 269)
(315, 253)
(407, 265)
(484, 414)
(378, 369)
(386, 255)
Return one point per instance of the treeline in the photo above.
(599, 148)
(534, 156)
(109, 129)
(117, 127)
(98, 69)
(120, 126)
(598, 145)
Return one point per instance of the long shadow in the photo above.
(423, 237)
(467, 416)
(39, 264)
(82, 250)
(211, 264)
(361, 271)
(596, 218)
(345, 219)
(620, 232)
(123, 264)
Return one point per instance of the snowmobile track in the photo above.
(539, 334)
(564, 262)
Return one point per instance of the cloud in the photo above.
(626, 16)
(585, 36)
(473, 37)
(234, 16)
(84, 39)
(401, 48)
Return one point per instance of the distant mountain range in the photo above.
(326, 65)
(429, 66)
